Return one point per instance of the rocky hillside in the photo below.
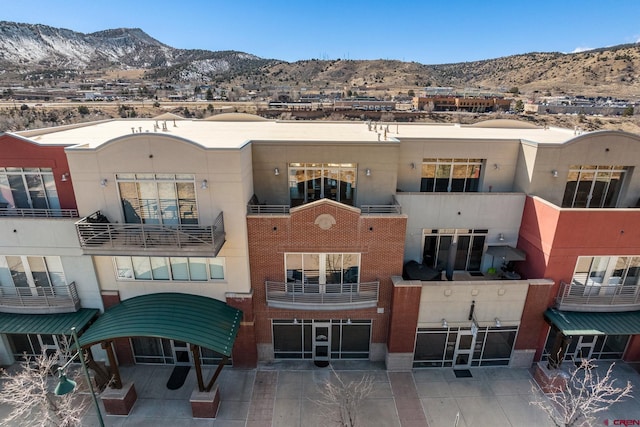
(30, 51)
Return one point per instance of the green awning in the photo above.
(590, 323)
(48, 324)
(194, 319)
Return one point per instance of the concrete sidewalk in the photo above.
(283, 394)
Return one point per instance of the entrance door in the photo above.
(584, 347)
(465, 344)
(181, 353)
(321, 342)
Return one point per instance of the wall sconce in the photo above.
(444, 323)
(295, 320)
(367, 172)
(103, 182)
(498, 323)
(501, 237)
(276, 171)
(412, 165)
(65, 177)
(349, 321)
(205, 184)
(554, 173)
(496, 166)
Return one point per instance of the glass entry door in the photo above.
(584, 347)
(321, 342)
(181, 353)
(465, 344)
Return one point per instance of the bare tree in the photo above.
(341, 398)
(29, 393)
(586, 393)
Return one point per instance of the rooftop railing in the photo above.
(39, 213)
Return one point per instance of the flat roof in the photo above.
(223, 134)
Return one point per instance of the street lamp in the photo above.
(66, 385)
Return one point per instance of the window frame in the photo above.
(436, 166)
(125, 272)
(320, 280)
(597, 171)
(472, 246)
(31, 273)
(48, 190)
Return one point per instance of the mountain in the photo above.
(35, 52)
(28, 48)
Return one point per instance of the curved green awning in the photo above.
(595, 323)
(47, 324)
(194, 319)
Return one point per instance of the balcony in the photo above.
(598, 297)
(38, 213)
(297, 295)
(256, 208)
(99, 237)
(40, 300)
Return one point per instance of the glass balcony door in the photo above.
(310, 181)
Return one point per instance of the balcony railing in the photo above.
(255, 208)
(393, 208)
(107, 238)
(39, 213)
(39, 299)
(322, 297)
(598, 297)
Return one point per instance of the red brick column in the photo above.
(244, 352)
(403, 321)
(121, 346)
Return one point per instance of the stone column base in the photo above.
(119, 401)
(549, 380)
(204, 404)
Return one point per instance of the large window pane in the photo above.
(355, 337)
(179, 268)
(56, 274)
(18, 273)
(5, 273)
(19, 191)
(498, 345)
(124, 269)
(141, 268)
(287, 338)
(198, 269)
(430, 346)
(216, 268)
(160, 268)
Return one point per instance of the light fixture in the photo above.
(554, 173)
(444, 323)
(501, 237)
(367, 172)
(498, 323)
(295, 320)
(66, 385)
(496, 166)
(103, 182)
(412, 165)
(205, 184)
(349, 321)
(65, 177)
(276, 171)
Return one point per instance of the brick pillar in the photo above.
(120, 345)
(403, 321)
(244, 352)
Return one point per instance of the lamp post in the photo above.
(66, 385)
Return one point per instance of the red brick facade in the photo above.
(379, 240)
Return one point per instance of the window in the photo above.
(169, 268)
(28, 188)
(450, 175)
(32, 345)
(31, 271)
(607, 270)
(593, 186)
(322, 272)
(468, 244)
(158, 198)
(314, 181)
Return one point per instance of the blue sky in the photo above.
(425, 31)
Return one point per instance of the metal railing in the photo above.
(105, 235)
(255, 208)
(393, 208)
(321, 297)
(50, 299)
(598, 297)
(39, 213)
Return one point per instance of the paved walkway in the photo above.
(285, 394)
